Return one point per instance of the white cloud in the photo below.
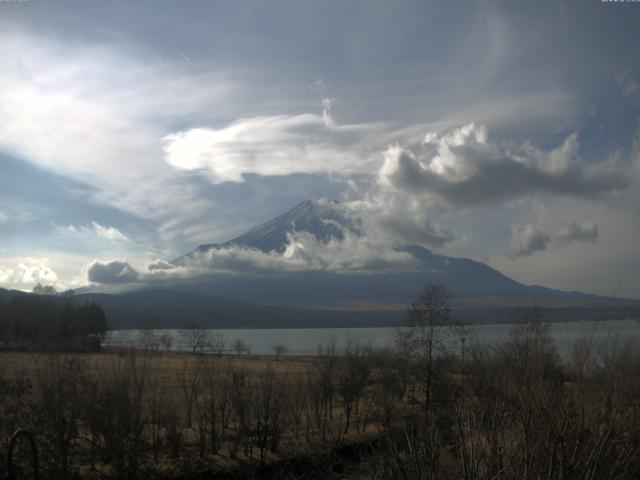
(92, 231)
(395, 219)
(137, 109)
(463, 168)
(32, 271)
(276, 145)
(109, 233)
(27, 271)
(353, 254)
(6, 275)
(526, 240)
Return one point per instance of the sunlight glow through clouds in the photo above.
(277, 145)
(95, 114)
(28, 271)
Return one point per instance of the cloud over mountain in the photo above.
(315, 236)
(113, 272)
(394, 219)
(304, 253)
(526, 240)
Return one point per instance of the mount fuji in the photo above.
(319, 218)
(327, 298)
(470, 282)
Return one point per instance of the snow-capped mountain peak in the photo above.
(321, 218)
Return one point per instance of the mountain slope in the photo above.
(181, 309)
(471, 282)
(317, 217)
(7, 294)
(164, 308)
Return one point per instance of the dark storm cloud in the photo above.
(526, 240)
(574, 231)
(112, 272)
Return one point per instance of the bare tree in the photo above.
(40, 289)
(280, 349)
(196, 339)
(267, 412)
(218, 342)
(215, 404)
(166, 342)
(190, 385)
(298, 402)
(241, 402)
(240, 347)
(56, 411)
(423, 336)
(148, 339)
(353, 377)
(324, 385)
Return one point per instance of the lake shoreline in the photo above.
(306, 341)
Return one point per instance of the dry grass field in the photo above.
(514, 410)
(152, 412)
(171, 365)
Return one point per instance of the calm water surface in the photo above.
(305, 341)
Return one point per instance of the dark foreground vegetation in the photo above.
(512, 411)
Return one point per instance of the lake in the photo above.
(305, 341)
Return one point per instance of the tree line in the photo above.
(45, 321)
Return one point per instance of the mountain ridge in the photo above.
(465, 277)
(166, 308)
(316, 217)
(324, 298)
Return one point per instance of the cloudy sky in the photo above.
(502, 131)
